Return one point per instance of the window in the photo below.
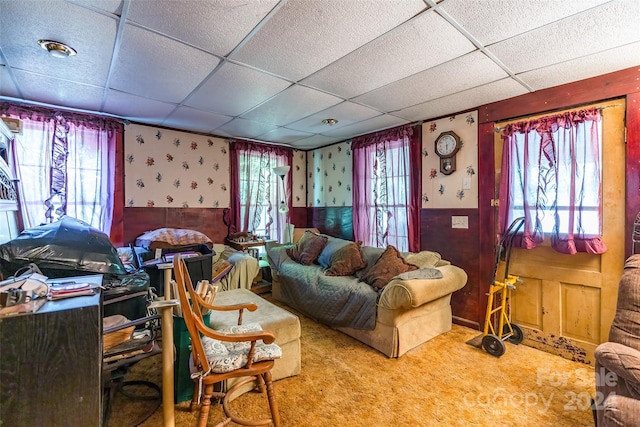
(65, 166)
(551, 176)
(386, 189)
(256, 191)
(256, 201)
(389, 210)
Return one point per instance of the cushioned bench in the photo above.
(284, 325)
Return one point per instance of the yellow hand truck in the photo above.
(497, 323)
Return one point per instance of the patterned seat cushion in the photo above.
(229, 356)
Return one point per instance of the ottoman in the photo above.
(284, 325)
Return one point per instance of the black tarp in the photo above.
(63, 248)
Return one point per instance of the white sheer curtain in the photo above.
(256, 191)
(72, 175)
(386, 189)
(551, 176)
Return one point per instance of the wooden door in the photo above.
(566, 303)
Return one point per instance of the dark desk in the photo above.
(51, 364)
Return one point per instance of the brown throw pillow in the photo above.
(308, 248)
(389, 264)
(347, 260)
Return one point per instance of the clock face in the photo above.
(446, 145)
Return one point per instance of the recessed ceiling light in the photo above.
(329, 121)
(57, 49)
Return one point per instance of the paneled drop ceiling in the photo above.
(272, 70)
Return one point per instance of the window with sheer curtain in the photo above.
(386, 188)
(551, 176)
(65, 165)
(256, 191)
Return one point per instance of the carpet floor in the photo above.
(442, 382)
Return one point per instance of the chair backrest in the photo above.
(191, 313)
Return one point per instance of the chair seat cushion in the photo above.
(228, 356)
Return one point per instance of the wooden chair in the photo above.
(241, 351)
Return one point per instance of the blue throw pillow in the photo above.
(332, 246)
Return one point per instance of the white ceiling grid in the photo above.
(272, 70)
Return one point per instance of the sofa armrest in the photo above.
(413, 293)
(623, 361)
(621, 411)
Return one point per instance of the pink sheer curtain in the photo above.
(551, 176)
(386, 188)
(256, 191)
(65, 163)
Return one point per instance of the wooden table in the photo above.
(51, 362)
(243, 246)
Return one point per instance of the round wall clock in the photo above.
(446, 146)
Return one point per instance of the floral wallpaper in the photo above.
(298, 185)
(460, 189)
(167, 168)
(330, 176)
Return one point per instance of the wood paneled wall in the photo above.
(206, 220)
(334, 221)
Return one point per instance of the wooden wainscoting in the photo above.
(335, 221)
(461, 247)
(205, 220)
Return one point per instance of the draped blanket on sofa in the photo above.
(337, 301)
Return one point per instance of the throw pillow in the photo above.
(389, 264)
(333, 244)
(347, 260)
(423, 259)
(308, 248)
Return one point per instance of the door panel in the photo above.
(565, 303)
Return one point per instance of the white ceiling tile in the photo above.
(604, 27)
(346, 113)
(306, 35)
(216, 26)
(7, 87)
(291, 105)
(162, 62)
(284, 135)
(54, 91)
(23, 23)
(460, 74)
(234, 89)
(366, 126)
(468, 99)
(244, 128)
(201, 121)
(584, 68)
(136, 108)
(423, 42)
(485, 20)
(110, 6)
(316, 141)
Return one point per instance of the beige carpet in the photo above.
(442, 382)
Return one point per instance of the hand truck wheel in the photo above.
(517, 336)
(493, 345)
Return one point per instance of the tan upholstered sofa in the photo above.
(402, 315)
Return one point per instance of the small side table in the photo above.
(243, 246)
